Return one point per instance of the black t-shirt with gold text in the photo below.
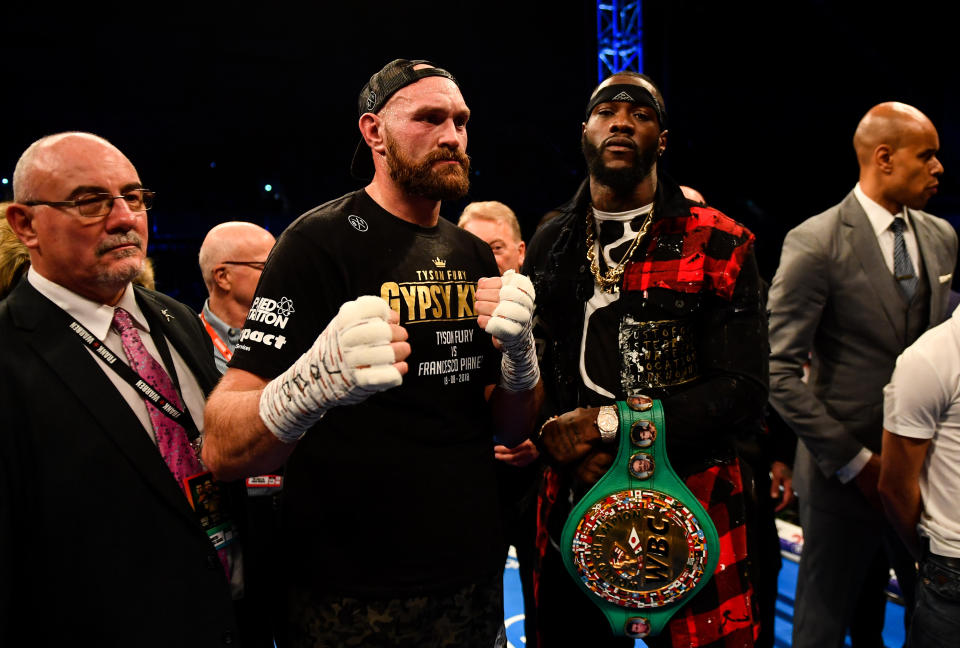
(396, 494)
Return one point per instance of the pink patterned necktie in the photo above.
(171, 437)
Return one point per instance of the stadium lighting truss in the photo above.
(619, 37)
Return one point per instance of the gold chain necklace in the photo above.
(610, 280)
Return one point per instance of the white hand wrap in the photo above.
(351, 359)
(512, 324)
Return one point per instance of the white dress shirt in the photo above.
(881, 220)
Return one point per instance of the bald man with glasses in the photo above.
(232, 256)
(111, 530)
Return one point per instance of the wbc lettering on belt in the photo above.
(639, 549)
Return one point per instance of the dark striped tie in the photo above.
(902, 265)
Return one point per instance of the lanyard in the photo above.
(217, 341)
(148, 391)
(203, 494)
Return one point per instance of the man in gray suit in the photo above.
(856, 285)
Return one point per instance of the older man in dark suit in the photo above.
(856, 285)
(111, 532)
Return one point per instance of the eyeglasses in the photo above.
(256, 265)
(96, 205)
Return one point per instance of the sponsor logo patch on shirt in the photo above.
(268, 339)
(271, 312)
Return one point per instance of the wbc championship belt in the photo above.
(639, 544)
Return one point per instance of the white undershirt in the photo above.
(601, 299)
(97, 319)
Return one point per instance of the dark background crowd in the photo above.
(218, 101)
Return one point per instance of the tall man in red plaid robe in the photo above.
(684, 267)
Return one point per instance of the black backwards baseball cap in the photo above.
(393, 76)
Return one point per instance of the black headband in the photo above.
(630, 93)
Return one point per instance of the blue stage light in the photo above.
(619, 37)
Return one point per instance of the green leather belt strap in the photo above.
(639, 544)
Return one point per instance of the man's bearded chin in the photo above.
(622, 180)
(447, 182)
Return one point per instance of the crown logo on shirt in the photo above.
(440, 263)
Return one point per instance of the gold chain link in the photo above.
(610, 280)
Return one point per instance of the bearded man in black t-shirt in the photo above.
(641, 291)
(380, 350)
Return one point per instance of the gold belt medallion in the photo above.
(639, 549)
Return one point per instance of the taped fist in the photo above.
(362, 335)
(360, 352)
(505, 308)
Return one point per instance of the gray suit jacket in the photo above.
(834, 295)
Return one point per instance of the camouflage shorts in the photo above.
(470, 616)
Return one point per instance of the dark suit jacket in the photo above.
(834, 294)
(98, 545)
